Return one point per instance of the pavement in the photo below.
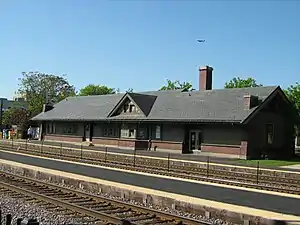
(193, 157)
(269, 202)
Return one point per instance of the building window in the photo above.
(131, 108)
(51, 128)
(157, 132)
(131, 133)
(128, 131)
(110, 131)
(142, 133)
(126, 108)
(124, 133)
(70, 129)
(270, 133)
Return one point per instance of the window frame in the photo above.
(132, 108)
(128, 131)
(110, 131)
(51, 128)
(125, 108)
(270, 133)
(157, 134)
(70, 129)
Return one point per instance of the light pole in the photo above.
(1, 112)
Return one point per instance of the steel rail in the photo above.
(174, 219)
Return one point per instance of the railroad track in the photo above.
(101, 210)
(16, 194)
(253, 180)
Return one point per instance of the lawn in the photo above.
(269, 163)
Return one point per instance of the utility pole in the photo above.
(1, 111)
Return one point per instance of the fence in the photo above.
(103, 154)
(7, 220)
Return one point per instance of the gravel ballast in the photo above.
(19, 208)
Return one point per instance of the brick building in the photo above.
(244, 123)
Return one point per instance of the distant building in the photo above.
(17, 102)
(5, 104)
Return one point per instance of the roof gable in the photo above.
(278, 92)
(142, 102)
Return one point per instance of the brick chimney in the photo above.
(47, 107)
(250, 101)
(205, 78)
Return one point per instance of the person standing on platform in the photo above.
(29, 133)
(149, 143)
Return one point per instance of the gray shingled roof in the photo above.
(207, 105)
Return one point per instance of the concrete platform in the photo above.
(251, 198)
(293, 167)
(228, 212)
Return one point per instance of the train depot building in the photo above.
(242, 123)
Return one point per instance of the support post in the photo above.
(134, 154)
(42, 144)
(81, 151)
(105, 156)
(19, 221)
(8, 219)
(60, 149)
(207, 169)
(257, 173)
(168, 162)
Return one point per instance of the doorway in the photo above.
(195, 140)
(87, 132)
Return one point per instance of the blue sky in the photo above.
(139, 44)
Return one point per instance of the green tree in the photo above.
(175, 85)
(238, 82)
(93, 89)
(16, 116)
(293, 93)
(39, 88)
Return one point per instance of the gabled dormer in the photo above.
(133, 104)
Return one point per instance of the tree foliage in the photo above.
(238, 82)
(93, 89)
(16, 116)
(39, 88)
(175, 85)
(293, 93)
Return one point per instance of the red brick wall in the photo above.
(128, 143)
(49, 137)
(223, 149)
(105, 141)
(138, 144)
(167, 145)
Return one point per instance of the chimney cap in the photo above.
(206, 68)
(250, 96)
